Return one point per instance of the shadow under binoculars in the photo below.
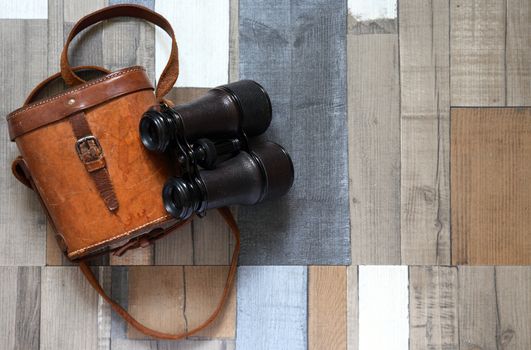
(212, 133)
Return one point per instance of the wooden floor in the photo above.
(410, 128)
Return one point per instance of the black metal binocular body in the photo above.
(209, 140)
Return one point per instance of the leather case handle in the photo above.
(229, 219)
(171, 71)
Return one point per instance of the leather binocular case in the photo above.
(210, 141)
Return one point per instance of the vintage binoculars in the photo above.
(211, 141)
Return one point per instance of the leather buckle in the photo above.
(88, 149)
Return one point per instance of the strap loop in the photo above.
(171, 71)
(229, 219)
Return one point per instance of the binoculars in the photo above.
(211, 141)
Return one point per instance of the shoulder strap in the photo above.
(171, 71)
(229, 219)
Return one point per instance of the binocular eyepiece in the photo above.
(208, 139)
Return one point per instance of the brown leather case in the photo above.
(81, 151)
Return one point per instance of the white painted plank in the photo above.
(202, 31)
(272, 308)
(24, 9)
(363, 10)
(383, 307)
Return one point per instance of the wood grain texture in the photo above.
(20, 298)
(174, 299)
(433, 308)
(69, 312)
(352, 308)
(383, 307)
(327, 306)
(272, 307)
(297, 51)
(374, 146)
(23, 64)
(202, 32)
(424, 127)
(24, 9)
(477, 52)
(234, 41)
(518, 53)
(491, 190)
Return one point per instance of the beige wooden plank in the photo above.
(23, 65)
(19, 307)
(176, 248)
(157, 299)
(211, 240)
(54, 256)
(327, 305)
(352, 308)
(204, 286)
(234, 41)
(374, 146)
(513, 295)
(518, 54)
(139, 256)
(490, 184)
(433, 308)
(477, 56)
(477, 308)
(69, 312)
(425, 160)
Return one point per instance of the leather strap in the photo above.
(171, 71)
(91, 155)
(57, 76)
(229, 219)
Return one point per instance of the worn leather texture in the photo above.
(81, 218)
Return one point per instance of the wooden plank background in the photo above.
(369, 82)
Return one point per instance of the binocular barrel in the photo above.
(248, 178)
(224, 111)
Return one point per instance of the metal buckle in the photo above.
(88, 149)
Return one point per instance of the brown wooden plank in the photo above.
(433, 308)
(477, 56)
(327, 304)
(425, 103)
(491, 186)
(374, 144)
(204, 286)
(157, 299)
(518, 53)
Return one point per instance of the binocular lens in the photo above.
(249, 178)
(223, 111)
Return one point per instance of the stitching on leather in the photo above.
(67, 92)
(115, 237)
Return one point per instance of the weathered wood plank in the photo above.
(23, 65)
(518, 53)
(327, 304)
(24, 9)
(352, 308)
(202, 29)
(157, 299)
(272, 307)
(374, 142)
(234, 41)
(478, 325)
(477, 52)
(297, 51)
(513, 302)
(425, 134)
(72, 304)
(383, 307)
(433, 308)
(490, 184)
(20, 299)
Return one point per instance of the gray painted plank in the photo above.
(272, 307)
(424, 127)
(374, 147)
(20, 307)
(23, 64)
(297, 51)
(70, 313)
(433, 308)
